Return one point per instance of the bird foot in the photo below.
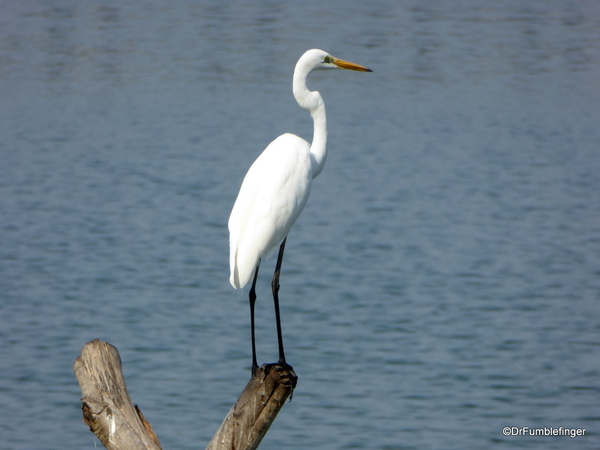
(283, 372)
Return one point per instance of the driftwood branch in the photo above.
(256, 408)
(118, 424)
(107, 408)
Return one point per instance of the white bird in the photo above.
(276, 188)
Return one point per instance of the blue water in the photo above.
(442, 283)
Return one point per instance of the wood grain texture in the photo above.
(120, 425)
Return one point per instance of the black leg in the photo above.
(275, 288)
(252, 301)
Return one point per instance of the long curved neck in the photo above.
(313, 102)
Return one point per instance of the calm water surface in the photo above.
(442, 283)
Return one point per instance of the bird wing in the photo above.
(272, 195)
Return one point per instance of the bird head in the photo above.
(320, 60)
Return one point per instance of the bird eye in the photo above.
(327, 59)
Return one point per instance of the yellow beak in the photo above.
(350, 66)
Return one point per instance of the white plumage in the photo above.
(276, 188)
(272, 196)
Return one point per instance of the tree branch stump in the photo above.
(120, 425)
(255, 410)
(107, 408)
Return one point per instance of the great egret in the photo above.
(276, 188)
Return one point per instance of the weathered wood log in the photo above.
(107, 408)
(255, 410)
(118, 424)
